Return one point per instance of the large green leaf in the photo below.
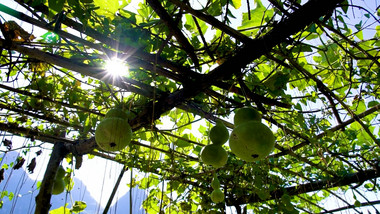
(256, 18)
(56, 5)
(108, 8)
(236, 3)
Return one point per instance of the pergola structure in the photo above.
(311, 68)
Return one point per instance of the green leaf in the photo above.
(263, 195)
(10, 196)
(61, 210)
(345, 6)
(182, 143)
(191, 26)
(277, 82)
(302, 48)
(361, 107)
(107, 8)
(358, 26)
(236, 3)
(79, 206)
(56, 5)
(215, 9)
(69, 183)
(37, 2)
(256, 17)
(5, 166)
(203, 130)
(372, 103)
(359, 35)
(312, 28)
(368, 186)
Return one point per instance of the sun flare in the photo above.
(116, 67)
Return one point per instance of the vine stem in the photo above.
(43, 198)
(130, 192)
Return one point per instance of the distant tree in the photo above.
(311, 68)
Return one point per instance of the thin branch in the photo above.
(305, 160)
(310, 202)
(371, 203)
(179, 137)
(366, 198)
(212, 21)
(165, 151)
(34, 134)
(351, 42)
(38, 96)
(251, 95)
(359, 177)
(324, 88)
(321, 135)
(203, 39)
(173, 27)
(47, 117)
(342, 199)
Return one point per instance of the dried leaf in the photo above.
(78, 161)
(7, 143)
(19, 162)
(32, 165)
(2, 174)
(17, 33)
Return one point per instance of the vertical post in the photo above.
(43, 198)
(125, 168)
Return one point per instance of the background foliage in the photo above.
(311, 68)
